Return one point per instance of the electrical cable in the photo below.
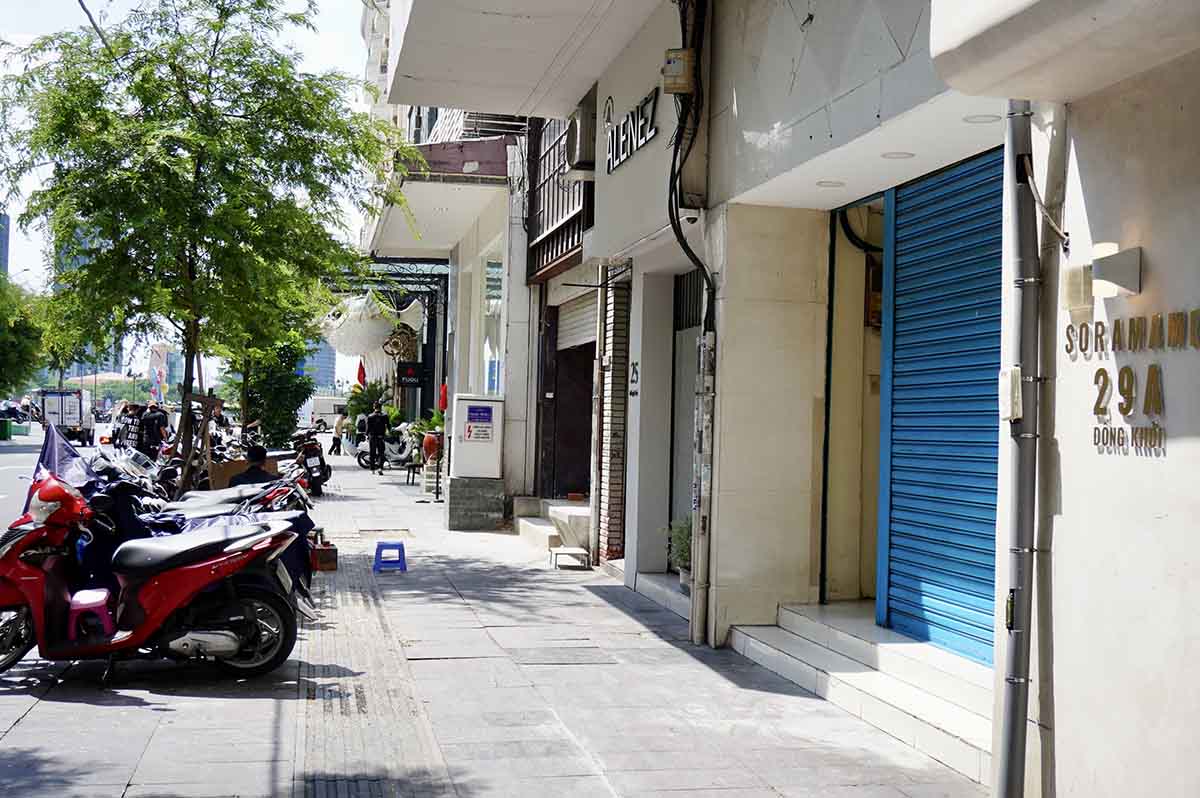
(855, 239)
(1027, 164)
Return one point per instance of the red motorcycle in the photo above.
(218, 594)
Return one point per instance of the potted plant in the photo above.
(681, 552)
(431, 444)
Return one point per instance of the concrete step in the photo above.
(938, 728)
(540, 533)
(574, 522)
(525, 506)
(663, 590)
(854, 634)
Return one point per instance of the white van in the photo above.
(325, 411)
(70, 411)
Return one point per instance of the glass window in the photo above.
(493, 301)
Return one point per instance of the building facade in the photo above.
(321, 365)
(838, 220)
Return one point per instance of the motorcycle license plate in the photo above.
(285, 578)
(314, 462)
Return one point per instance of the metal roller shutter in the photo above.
(577, 321)
(940, 440)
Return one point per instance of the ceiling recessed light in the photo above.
(897, 155)
(981, 119)
(830, 183)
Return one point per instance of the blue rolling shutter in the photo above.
(939, 425)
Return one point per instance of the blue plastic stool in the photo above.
(398, 564)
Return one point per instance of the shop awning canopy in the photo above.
(1056, 49)
(525, 57)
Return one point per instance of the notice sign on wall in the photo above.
(480, 427)
(1130, 395)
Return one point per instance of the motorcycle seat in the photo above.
(199, 510)
(222, 496)
(148, 556)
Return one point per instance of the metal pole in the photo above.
(1019, 603)
(598, 410)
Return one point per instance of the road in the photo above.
(17, 461)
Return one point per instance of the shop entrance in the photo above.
(573, 419)
(912, 432)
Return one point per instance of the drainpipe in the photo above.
(1019, 604)
(598, 408)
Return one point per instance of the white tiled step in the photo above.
(945, 675)
(663, 590)
(539, 532)
(947, 732)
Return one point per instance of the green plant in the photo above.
(435, 423)
(275, 391)
(680, 533)
(362, 402)
(20, 337)
(395, 415)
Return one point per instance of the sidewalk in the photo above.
(480, 672)
(477, 674)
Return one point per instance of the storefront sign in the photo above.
(1136, 389)
(408, 374)
(629, 134)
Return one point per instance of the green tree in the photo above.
(20, 338)
(199, 174)
(276, 389)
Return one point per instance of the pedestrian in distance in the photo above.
(377, 428)
(154, 430)
(339, 429)
(119, 423)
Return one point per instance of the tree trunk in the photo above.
(245, 393)
(191, 338)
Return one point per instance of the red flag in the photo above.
(362, 374)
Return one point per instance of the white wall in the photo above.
(772, 265)
(648, 424)
(519, 379)
(784, 92)
(631, 203)
(1118, 631)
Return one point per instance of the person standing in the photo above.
(377, 427)
(131, 430)
(154, 430)
(119, 422)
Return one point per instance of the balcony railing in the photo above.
(559, 210)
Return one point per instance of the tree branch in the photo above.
(99, 32)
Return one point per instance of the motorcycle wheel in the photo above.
(316, 489)
(364, 460)
(16, 636)
(271, 640)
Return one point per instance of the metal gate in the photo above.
(577, 321)
(939, 433)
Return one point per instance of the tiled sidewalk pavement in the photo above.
(481, 673)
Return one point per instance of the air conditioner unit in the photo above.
(581, 144)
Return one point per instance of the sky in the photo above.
(337, 44)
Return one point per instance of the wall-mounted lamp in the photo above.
(1118, 274)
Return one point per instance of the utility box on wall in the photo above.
(478, 443)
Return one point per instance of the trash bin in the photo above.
(5, 429)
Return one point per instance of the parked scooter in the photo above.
(312, 457)
(219, 593)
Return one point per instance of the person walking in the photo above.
(377, 428)
(131, 429)
(339, 429)
(154, 430)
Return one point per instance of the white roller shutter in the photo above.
(577, 321)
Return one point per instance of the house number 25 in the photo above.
(1152, 403)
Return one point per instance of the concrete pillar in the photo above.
(648, 475)
(519, 370)
(772, 265)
